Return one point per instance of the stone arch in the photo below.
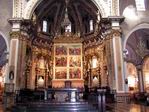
(140, 26)
(132, 78)
(6, 66)
(145, 68)
(32, 4)
(6, 40)
(100, 8)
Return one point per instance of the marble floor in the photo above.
(121, 107)
(116, 107)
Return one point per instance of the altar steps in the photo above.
(55, 107)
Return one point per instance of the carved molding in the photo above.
(115, 7)
(31, 5)
(18, 35)
(15, 34)
(102, 33)
(42, 41)
(22, 8)
(68, 38)
(16, 8)
(116, 33)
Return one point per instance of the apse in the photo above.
(81, 14)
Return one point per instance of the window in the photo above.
(44, 26)
(147, 44)
(140, 5)
(91, 25)
(68, 28)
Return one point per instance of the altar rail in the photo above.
(73, 102)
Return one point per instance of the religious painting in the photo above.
(60, 61)
(60, 50)
(67, 61)
(60, 73)
(75, 61)
(75, 73)
(75, 50)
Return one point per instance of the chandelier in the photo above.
(141, 49)
(66, 22)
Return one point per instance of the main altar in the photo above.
(67, 61)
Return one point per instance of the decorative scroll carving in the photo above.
(101, 34)
(18, 35)
(115, 8)
(116, 32)
(68, 38)
(42, 41)
(15, 34)
(25, 29)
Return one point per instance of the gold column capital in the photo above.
(116, 32)
(14, 34)
(18, 35)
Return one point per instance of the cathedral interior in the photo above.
(55, 53)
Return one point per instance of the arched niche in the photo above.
(146, 73)
(131, 78)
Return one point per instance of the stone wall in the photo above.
(6, 9)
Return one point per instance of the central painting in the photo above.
(68, 61)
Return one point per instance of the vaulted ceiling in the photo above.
(138, 45)
(79, 13)
(3, 50)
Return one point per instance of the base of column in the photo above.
(123, 97)
(8, 100)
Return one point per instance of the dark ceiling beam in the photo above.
(91, 13)
(43, 8)
(75, 19)
(56, 17)
(45, 13)
(79, 18)
(89, 7)
(60, 18)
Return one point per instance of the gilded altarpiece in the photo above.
(67, 61)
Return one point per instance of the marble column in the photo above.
(12, 71)
(16, 62)
(117, 53)
(17, 54)
(140, 78)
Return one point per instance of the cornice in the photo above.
(119, 19)
(15, 20)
